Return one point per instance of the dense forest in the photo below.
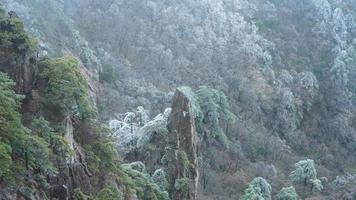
(177, 100)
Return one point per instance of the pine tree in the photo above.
(287, 193)
(15, 139)
(215, 113)
(67, 87)
(259, 189)
(305, 175)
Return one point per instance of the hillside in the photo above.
(148, 99)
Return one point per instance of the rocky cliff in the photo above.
(182, 149)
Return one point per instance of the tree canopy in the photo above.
(287, 193)
(259, 189)
(14, 40)
(67, 87)
(305, 175)
(15, 139)
(212, 113)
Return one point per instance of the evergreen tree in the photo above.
(259, 189)
(109, 193)
(11, 130)
(215, 113)
(287, 193)
(67, 87)
(5, 163)
(159, 178)
(305, 175)
(14, 41)
(15, 139)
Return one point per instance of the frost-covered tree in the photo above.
(138, 176)
(215, 112)
(157, 126)
(259, 189)
(138, 166)
(305, 175)
(324, 12)
(296, 95)
(287, 193)
(136, 130)
(211, 112)
(159, 177)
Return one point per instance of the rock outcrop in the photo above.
(181, 153)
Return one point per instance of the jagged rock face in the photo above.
(22, 73)
(80, 178)
(182, 138)
(74, 173)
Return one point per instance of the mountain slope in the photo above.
(284, 69)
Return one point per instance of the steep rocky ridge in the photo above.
(286, 66)
(182, 146)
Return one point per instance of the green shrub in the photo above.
(41, 180)
(287, 193)
(67, 87)
(183, 160)
(143, 184)
(79, 195)
(11, 128)
(159, 178)
(42, 128)
(182, 186)
(37, 153)
(15, 139)
(14, 40)
(101, 153)
(27, 192)
(211, 111)
(305, 175)
(259, 189)
(12, 138)
(92, 159)
(5, 163)
(109, 193)
(108, 155)
(194, 100)
(215, 108)
(138, 166)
